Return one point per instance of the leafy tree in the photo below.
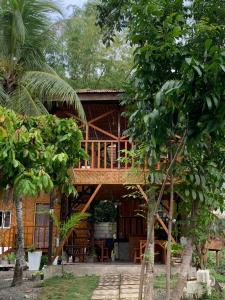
(88, 63)
(35, 155)
(176, 94)
(26, 81)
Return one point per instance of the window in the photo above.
(5, 219)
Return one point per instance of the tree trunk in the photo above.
(149, 276)
(50, 235)
(168, 260)
(20, 255)
(185, 267)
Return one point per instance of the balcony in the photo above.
(107, 163)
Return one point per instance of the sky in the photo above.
(66, 3)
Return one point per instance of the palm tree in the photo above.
(26, 81)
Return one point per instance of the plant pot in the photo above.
(105, 230)
(34, 260)
(4, 262)
(37, 277)
(91, 259)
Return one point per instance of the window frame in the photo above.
(4, 212)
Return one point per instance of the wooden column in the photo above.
(119, 136)
(50, 233)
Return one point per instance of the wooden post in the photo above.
(50, 234)
(168, 260)
(119, 136)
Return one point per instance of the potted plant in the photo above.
(176, 253)
(64, 227)
(10, 258)
(91, 256)
(105, 218)
(34, 258)
(37, 276)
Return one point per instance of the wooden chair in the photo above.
(104, 256)
(139, 252)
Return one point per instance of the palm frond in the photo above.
(50, 87)
(19, 28)
(24, 103)
(3, 96)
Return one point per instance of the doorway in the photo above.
(41, 231)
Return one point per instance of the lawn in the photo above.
(68, 287)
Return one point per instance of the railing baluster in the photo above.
(105, 155)
(111, 154)
(99, 157)
(125, 155)
(92, 154)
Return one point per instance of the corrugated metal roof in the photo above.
(98, 91)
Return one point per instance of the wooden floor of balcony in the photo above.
(108, 176)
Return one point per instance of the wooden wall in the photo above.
(29, 210)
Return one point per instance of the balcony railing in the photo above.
(36, 236)
(106, 154)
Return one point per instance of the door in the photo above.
(41, 232)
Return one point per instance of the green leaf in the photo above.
(197, 178)
(222, 67)
(201, 197)
(198, 70)
(187, 193)
(208, 44)
(209, 103)
(193, 194)
(188, 60)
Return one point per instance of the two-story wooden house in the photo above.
(102, 177)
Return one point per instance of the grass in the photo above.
(160, 281)
(68, 287)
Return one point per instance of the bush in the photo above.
(44, 261)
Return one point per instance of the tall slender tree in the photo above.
(177, 87)
(26, 81)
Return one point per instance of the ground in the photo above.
(56, 288)
(80, 288)
(29, 289)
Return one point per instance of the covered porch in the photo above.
(116, 230)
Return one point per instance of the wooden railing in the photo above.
(36, 236)
(106, 154)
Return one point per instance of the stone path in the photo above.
(117, 287)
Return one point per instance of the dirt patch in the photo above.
(29, 289)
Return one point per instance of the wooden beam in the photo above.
(164, 227)
(62, 243)
(101, 116)
(103, 131)
(157, 216)
(91, 198)
(142, 192)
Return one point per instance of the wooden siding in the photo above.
(29, 210)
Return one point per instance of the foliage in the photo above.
(105, 211)
(177, 90)
(32, 248)
(44, 261)
(36, 153)
(87, 62)
(10, 257)
(26, 81)
(176, 249)
(72, 221)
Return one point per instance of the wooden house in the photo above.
(101, 178)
